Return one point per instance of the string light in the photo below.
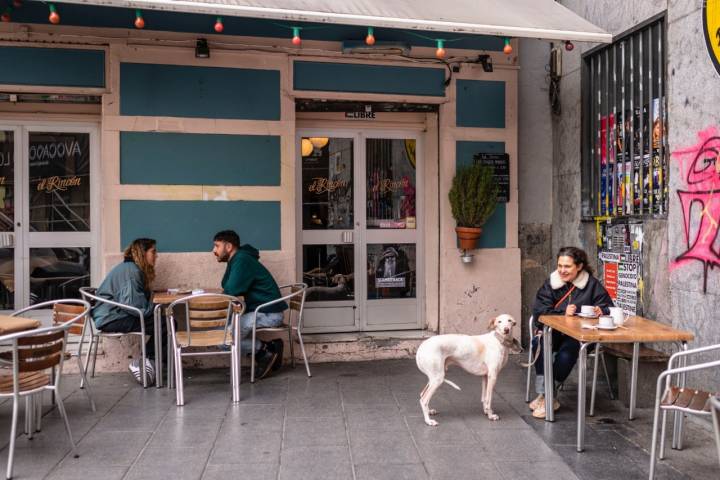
(370, 38)
(5, 17)
(54, 15)
(17, 3)
(440, 52)
(139, 21)
(219, 25)
(507, 49)
(296, 40)
(569, 45)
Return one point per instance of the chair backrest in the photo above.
(294, 295)
(90, 295)
(76, 314)
(205, 312)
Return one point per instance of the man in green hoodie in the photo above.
(245, 276)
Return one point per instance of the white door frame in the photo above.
(360, 233)
(24, 239)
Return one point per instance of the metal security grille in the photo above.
(624, 164)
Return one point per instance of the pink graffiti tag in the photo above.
(700, 165)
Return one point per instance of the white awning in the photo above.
(544, 19)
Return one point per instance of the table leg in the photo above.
(679, 416)
(548, 369)
(157, 319)
(582, 391)
(633, 379)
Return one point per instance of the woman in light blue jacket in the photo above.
(130, 283)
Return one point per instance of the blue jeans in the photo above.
(566, 350)
(264, 320)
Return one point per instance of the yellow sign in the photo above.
(51, 184)
(711, 27)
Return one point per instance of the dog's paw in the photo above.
(432, 423)
(493, 417)
(432, 411)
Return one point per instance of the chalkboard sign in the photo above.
(500, 163)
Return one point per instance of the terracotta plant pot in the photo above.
(468, 237)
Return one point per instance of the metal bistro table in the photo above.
(635, 330)
(161, 299)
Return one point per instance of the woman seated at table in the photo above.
(569, 287)
(130, 283)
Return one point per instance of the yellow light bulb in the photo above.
(306, 148)
(319, 142)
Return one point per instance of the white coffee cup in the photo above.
(605, 321)
(618, 315)
(587, 309)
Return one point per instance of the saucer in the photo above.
(602, 327)
(586, 315)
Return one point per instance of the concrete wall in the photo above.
(535, 177)
(673, 292)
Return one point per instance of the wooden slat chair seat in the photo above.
(28, 381)
(206, 324)
(687, 398)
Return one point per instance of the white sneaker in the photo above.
(134, 368)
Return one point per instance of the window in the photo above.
(624, 164)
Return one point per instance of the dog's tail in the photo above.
(452, 384)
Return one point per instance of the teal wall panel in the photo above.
(154, 158)
(199, 92)
(52, 66)
(494, 230)
(189, 226)
(480, 103)
(350, 77)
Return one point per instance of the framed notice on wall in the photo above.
(500, 163)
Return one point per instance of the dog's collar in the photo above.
(505, 340)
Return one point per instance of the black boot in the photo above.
(265, 358)
(277, 346)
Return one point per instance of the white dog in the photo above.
(483, 355)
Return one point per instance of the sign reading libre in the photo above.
(711, 27)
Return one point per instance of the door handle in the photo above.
(347, 237)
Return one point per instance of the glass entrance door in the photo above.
(45, 212)
(358, 236)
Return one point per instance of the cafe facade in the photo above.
(329, 151)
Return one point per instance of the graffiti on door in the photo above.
(700, 201)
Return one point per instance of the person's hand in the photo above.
(598, 311)
(570, 310)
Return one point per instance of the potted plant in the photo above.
(473, 198)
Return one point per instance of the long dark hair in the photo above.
(136, 252)
(578, 255)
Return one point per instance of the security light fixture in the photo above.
(486, 62)
(201, 49)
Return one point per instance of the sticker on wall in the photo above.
(711, 27)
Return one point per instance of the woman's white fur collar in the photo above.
(580, 281)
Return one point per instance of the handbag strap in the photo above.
(567, 294)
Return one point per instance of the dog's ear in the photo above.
(491, 325)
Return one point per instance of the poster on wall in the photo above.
(711, 30)
(620, 264)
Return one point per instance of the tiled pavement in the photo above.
(350, 421)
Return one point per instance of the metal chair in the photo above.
(715, 409)
(679, 399)
(89, 295)
(73, 313)
(598, 354)
(207, 324)
(296, 301)
(24, 374)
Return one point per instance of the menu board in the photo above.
(500, 163)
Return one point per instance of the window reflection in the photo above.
(59, 182)
(7, 279)
(391, 271)
(327, 183)
(329, 272)
(58, 273)
(7, 181)
(391, 183)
